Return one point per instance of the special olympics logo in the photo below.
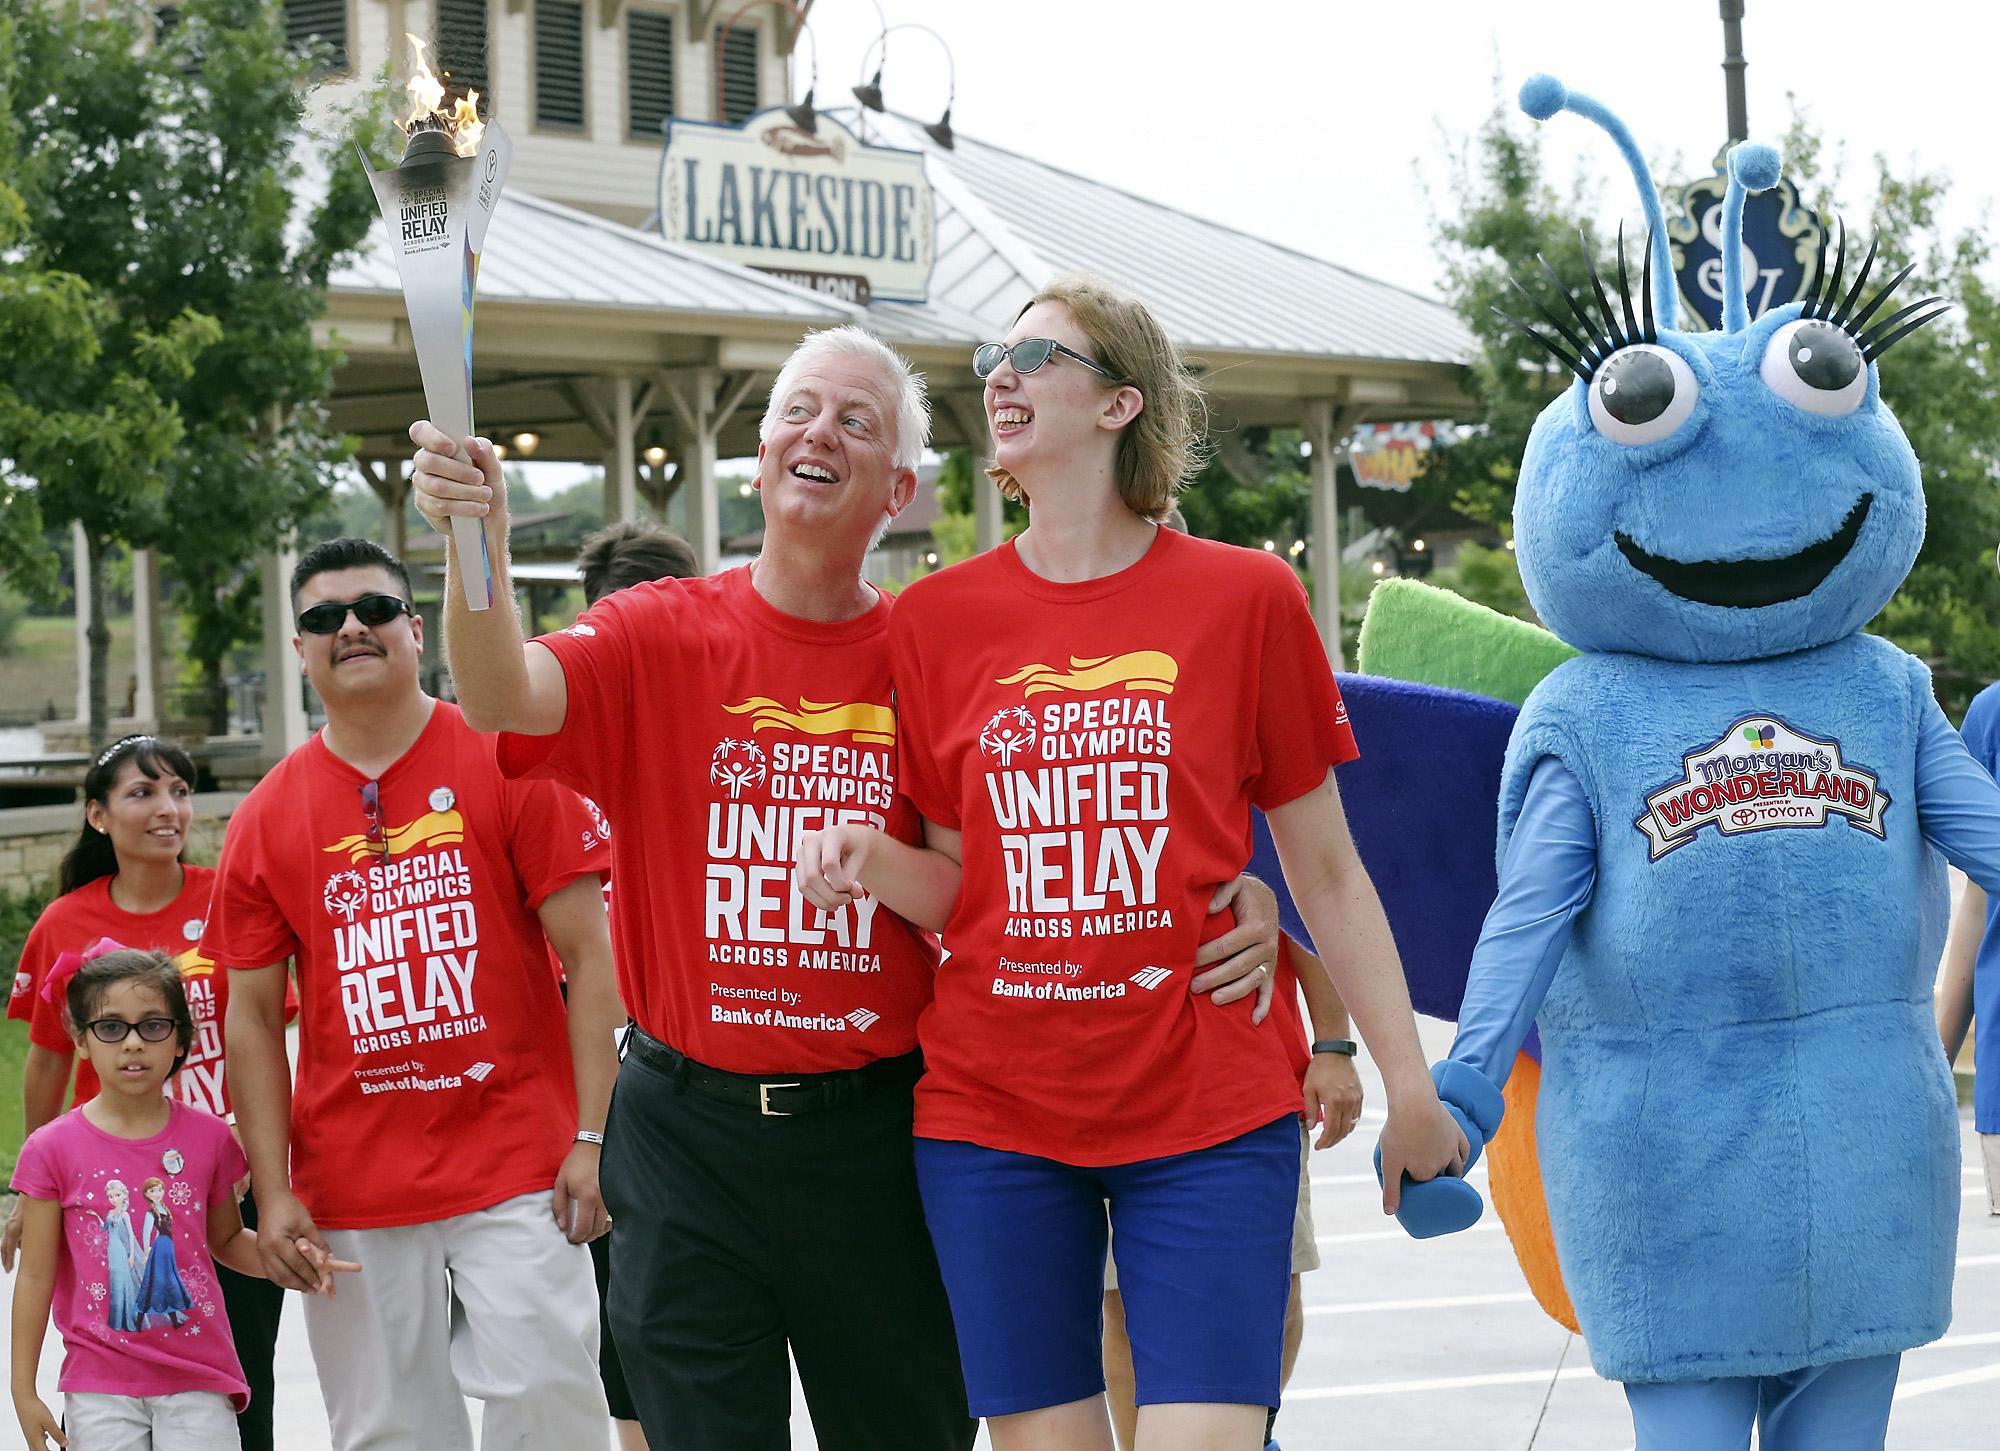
(345, 893)
(1010, 730)
(600, 829)
(737, 765)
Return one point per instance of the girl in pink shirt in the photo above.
(148, 1359)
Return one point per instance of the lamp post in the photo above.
(1733, 66)
(869, 92)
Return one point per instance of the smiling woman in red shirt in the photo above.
(1086, 716)
(124, 879)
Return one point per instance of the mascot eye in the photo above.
(1816, 366)
(1642, 394)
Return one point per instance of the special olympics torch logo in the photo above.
(345, 893)
(737, 765)
(1010, 730)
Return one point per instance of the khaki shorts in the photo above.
(1305, 1248)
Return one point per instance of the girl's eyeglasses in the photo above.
(374, 611)
(1028, 355)
(113, 1030)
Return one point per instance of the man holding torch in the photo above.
(758, 1157)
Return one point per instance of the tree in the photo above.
(168, 173)
(1941, 384)
(1508, 216)
(88, 421)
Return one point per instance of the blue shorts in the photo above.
(1204, 1263)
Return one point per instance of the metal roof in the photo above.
(541, 251)
(1006, 224)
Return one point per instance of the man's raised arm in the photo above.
(502, 684)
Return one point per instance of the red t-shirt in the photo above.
(714, 729)
(1100, 746)
(75, 921)
(434, 1069)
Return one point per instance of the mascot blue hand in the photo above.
(1447, 1204)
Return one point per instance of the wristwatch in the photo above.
(589, 1136)
(1346, 1047)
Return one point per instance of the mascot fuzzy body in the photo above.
(1721, 893)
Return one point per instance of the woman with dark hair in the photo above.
(125, 878)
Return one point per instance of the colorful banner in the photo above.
(1390, 455)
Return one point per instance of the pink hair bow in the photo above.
(65, 968)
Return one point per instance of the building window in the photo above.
(319, 22)
(559, 65)
(649, 72)
(461, 46)
(739, 74)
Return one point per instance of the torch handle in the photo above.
(475, 566)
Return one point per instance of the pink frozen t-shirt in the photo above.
(136, 1296)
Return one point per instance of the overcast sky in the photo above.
(1314, 123)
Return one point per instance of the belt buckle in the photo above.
(764, 1100)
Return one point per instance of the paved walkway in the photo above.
(1438, 1344)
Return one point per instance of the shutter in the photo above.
(461, 48)
(739, 74)
(559, 64)
(649, 72)
(313, 22)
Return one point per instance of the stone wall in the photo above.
(34, 838)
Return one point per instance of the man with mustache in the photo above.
(759, 1160)
(445, 1124)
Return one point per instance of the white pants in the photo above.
(495, 1304)
(1989, 1145)
(183, 1421)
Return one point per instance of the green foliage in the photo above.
(1488, 577)
(1507, 215)
(12, 610)
(159, 189)
(955, 533)
(1255, 488)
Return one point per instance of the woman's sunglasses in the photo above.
(113, 1030)
(373, 611)
(1028, 355)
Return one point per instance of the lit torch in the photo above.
(437, 203)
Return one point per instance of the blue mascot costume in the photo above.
(1721, 890)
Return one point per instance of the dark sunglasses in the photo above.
(371, 808)
(373, 611)
(113, 1030)
(1028, 355)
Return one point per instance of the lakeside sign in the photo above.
(823, 205)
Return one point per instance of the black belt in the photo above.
(776, 1097)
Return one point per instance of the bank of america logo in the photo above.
(1151, 977)
(478, 1071)
(863, 1019)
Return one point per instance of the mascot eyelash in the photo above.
(1752, 168)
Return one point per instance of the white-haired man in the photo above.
(758, 1158)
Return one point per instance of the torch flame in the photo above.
(427, 97)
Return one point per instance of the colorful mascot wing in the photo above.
(1414, 632)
